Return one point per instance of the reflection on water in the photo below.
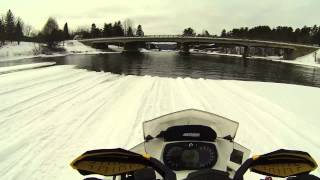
(172, 64)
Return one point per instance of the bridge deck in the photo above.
(189, 39)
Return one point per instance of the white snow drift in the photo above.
(13, 51)
(50, 115)
(24, 67)
(74, 46)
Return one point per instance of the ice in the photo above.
(51, 115)
(24, 67)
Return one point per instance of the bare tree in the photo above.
(126, 24)
(27, 30)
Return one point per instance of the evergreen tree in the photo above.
(118, 29)
(189, 32)
(66, 34)
(139, 31)
(316, 36)
(107, 30)
(224, 33)
(18, 32)
(95, 32)
(9, 26)
(130, 31)
(115, 29)
(2, 32)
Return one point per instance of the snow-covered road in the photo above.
(50, 115)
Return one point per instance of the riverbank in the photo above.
(13, 51)
(307, 60)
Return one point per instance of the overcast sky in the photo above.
(168, 16)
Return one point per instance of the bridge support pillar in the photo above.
(131, 47)
(246, 52)
(100, 45)
(185, 48)
(288, 54)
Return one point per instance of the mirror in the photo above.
(109, 162)
(283, 163)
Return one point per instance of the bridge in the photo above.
(291, 51)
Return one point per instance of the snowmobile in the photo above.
(191, 145)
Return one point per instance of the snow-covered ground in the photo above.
(76, 47)
(115, 48)
(50, 115)
(9, 69)
(13, 51)
(307, 60)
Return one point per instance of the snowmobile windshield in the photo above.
(223, 127)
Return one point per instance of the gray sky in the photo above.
(168, 16)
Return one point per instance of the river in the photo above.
(173, 64)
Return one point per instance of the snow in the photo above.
(115, 48)
(307, 60)
(13, 51)
(51, 115)
(24, 67)
(76, 47)
(310, 59)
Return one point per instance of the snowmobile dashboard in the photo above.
(190, 155)
(188, 132)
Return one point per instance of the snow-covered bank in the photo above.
(24, 67)
(307, 60)
(13, 51)
(76, 47)
(49, 116)
(115, 48)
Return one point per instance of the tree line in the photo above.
(11, 28)
(304, 35)
(110, 30)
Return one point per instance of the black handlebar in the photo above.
(163, 170)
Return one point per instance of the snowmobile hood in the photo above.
(222, 126)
